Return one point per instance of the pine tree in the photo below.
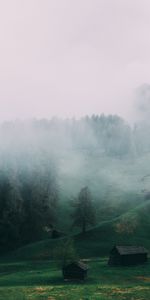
(10, 212)
(84, 212)
(40, 192)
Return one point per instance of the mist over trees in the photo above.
(84, 212)
(28, 203)
(110, 135)
(43, 163)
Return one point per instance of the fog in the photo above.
(102, 152)
(69, 60)
(72, 58)
(142, 103)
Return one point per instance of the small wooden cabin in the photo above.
(127, 255)
(55, 234)
(75, 271)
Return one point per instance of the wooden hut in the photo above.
(75, 271)
(127, 255)
(55, 234)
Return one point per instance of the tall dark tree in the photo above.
(84, 212)
(10, 212)
(40, 192)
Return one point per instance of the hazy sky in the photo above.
(72, 57)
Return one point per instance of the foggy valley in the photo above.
(74, 150)
(45, 163)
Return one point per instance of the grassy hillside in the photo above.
(135, 228)
(130, 228)
(28, 273)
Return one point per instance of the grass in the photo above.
(43, 280)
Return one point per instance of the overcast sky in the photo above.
(72, 57)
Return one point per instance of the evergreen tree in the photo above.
(84, 213)
(40, 192)
(10, 212)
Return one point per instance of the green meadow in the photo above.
(43, 280)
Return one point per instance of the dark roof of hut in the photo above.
(125, 250)
(80, 264)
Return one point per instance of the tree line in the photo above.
(110, 135)
(28, 203)
(29, 206)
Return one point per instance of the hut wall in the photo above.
(133, 259)
(114, 259)
(74, 273)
